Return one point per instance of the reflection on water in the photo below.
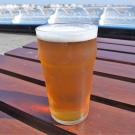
(35, 14)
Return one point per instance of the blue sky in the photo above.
(126, 2)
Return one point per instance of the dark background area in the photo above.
(117, 33)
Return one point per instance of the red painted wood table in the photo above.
(24, 104)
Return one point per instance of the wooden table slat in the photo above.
(26, 97)
(116, 57)
(32, 45)
(30, 54)
(105, 42)
(116, 41)
(114, 85)
(115, 48)
(11, 126)
(100, 46)
(115, 70)
(23, 53)
(23, 69)
(109, 69)
(31, 71)
(31, 98)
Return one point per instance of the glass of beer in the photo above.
(67, 53)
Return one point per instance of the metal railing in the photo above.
(37, 14)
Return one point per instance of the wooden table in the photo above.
(23, 95)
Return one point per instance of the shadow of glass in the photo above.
(37, 106)
(4, 116)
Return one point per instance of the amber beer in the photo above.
(67, 54)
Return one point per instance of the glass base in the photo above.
(70, 122)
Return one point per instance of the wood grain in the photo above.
(24, 100)
(116, 41)
(31, 99)
(112, 70)
(11, 126)
(32, 45)
(104, 40)
(108, 88)
(102, 68)
(23, 53)
(31, 54)
(115, 48)
(20, 68)
(116, 57)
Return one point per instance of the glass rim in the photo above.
(90, 24)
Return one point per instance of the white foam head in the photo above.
(66, 32)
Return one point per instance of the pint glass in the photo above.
(67, 53)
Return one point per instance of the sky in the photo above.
(125, 2)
